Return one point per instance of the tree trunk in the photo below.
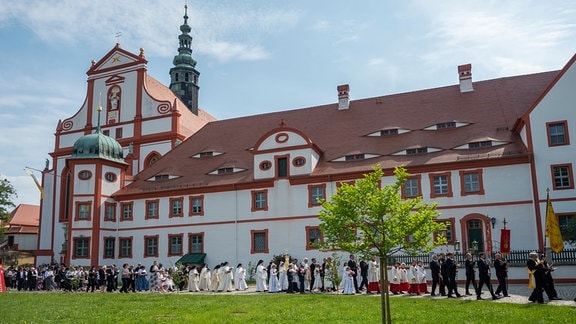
(384, 292)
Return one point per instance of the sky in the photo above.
(262, 56)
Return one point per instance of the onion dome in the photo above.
(98, 146)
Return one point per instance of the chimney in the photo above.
(343, 96)
(465, 74)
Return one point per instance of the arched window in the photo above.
(152, 158)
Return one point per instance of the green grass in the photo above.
(259, 308)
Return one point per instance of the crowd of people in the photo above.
(291, 276)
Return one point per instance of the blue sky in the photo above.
(260, 56)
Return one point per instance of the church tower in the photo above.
(184, 76)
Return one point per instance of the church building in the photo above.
(141, 173)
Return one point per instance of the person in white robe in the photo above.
(226, 277)
(283, 276)
(205, 278)
(395, 286)
(423, 287)
(215, 282)
(348, 280)
(261, 277)
(240, 278)
(273, 284)
(374, 276)
(193, 279)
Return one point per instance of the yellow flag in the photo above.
(553, 228)
(36, 182)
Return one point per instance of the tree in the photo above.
(371, 221)
(7, 193)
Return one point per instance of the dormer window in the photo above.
(446, 125)
(206, 154)
(356, 157)
(225, 170)
(393, 131)
(353, 157)
(389, 131)
(162, 177)
(480, 144)
(420, 150)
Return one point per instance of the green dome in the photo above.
(98, 146)
(184, 59)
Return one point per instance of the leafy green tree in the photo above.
(7, 193)
(370, 220)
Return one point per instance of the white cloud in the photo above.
(505, 38)
(228, 51)
(146, 25)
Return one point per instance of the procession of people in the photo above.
(292, 276)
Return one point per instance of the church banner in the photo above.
(504, 240)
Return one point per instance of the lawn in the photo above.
(45, 307)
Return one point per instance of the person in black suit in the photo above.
(21, 276)
(323, 273)
(470, 273)
(435, 270)
(484, 275)
(501, 268)
(312, 268)
(354, 269)
(537, 271)
(451, 269)
(548, 280)
(443, 274)
(363, 274)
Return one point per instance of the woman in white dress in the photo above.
(240, 281)
(193, 279)
(261, 277)
(317, 278)
(215, 278)
(205, 277)
(282, 277)
(348, 281)
(273, 284)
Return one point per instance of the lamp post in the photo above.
(456, 250)
(493, 221)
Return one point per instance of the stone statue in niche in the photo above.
(114, 99)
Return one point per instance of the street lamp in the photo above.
(493, 221)
(456, 249)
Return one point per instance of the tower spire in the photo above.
(184, 76)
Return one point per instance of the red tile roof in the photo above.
(189, 123)
(25, 215)
(491, 111)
